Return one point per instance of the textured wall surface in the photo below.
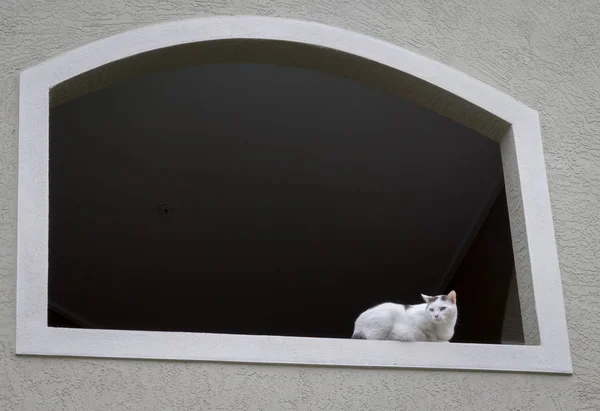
(543, 53)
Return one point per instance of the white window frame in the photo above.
(523, 160)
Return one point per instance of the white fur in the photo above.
(389, 321)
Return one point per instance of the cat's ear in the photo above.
(427, 298)
(452, 296)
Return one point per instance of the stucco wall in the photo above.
(543, 53)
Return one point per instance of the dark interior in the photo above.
(262, 199)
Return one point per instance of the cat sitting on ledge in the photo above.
(433, 320)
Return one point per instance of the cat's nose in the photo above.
(436, 316)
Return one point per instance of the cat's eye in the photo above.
(442, 308)
(431, 309)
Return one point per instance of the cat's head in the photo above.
(441, 308)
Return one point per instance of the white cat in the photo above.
(432, 321)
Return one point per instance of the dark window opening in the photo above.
(262, 199)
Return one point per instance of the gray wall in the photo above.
(542, 53)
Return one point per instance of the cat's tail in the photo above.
(359, 335)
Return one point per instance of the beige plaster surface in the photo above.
(543, 53)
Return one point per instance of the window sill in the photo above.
(289, 350)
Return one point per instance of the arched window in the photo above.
(235, 187)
